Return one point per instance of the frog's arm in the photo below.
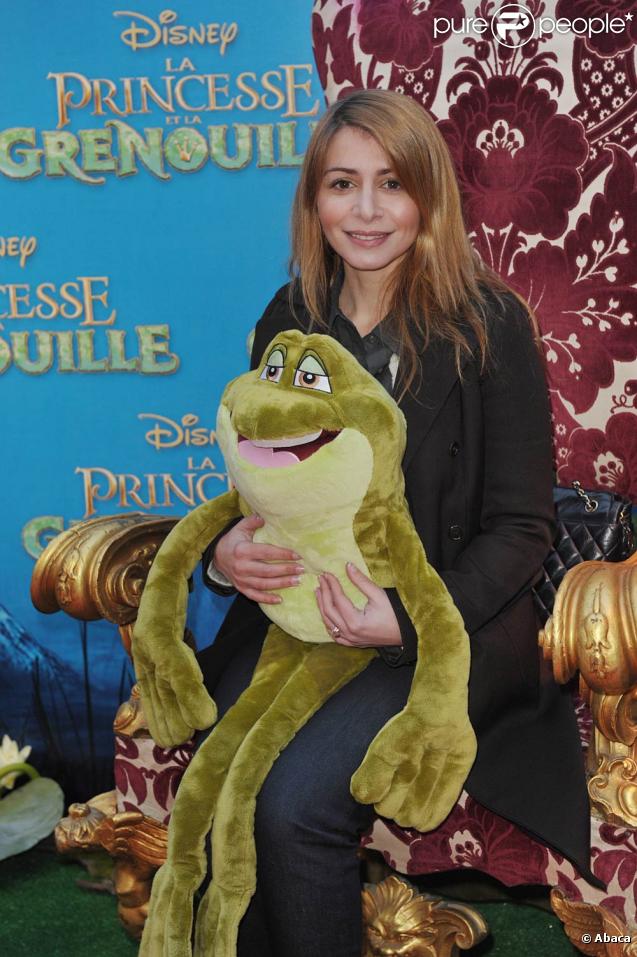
(173, 695)
(416, 766)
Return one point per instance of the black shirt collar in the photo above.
(373, 350)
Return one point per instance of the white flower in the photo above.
(608, 469)
(11, 754)
(465, 848)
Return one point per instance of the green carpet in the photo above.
(43, 913)
(518, 930)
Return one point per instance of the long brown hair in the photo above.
(441, 279)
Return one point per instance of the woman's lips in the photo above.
(278, 455)
(367, 240)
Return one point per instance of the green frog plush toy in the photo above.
(313, 444)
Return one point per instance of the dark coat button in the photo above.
(454, 448)
(455, 533)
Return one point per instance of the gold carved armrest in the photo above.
(98, 568)
(593, 630)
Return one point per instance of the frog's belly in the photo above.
(298, 612)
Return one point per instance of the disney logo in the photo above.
(18, 246)
(145, 32)
(167, 434)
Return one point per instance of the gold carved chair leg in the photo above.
(398, 919)
(138, 846)
(136, 843)
(593, 929)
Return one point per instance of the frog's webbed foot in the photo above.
(169, 926)
(175, 699)
(414, 774)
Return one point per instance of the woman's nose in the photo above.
(367, 205)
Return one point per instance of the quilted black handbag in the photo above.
(591, 526)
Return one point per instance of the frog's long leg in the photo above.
(416, 765)
(322, 672)
(168, 928)
(173, 694)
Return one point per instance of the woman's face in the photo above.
(366, 215)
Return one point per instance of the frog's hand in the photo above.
(415, 767)
(174, 698)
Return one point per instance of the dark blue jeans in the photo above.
(308, 897)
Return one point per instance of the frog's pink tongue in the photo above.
(265, 458)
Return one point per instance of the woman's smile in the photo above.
(364, 239)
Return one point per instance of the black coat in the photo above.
(478, 473)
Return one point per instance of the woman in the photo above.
(383, 263)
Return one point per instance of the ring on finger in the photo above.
(336, 631)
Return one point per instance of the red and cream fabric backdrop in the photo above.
(538, 104)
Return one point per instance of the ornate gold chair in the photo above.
(97, 570)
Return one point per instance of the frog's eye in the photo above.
(310, 374)
(273, 369)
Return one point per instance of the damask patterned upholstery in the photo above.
(542, 139)
(147, 776)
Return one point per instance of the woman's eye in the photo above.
(341, 184)
(312, 380)
(392, 184)
(272, 373)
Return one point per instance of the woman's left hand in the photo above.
(372, 626)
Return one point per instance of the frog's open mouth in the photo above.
(276, 453)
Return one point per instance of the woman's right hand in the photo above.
(254, 569)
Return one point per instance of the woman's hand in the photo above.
(372, 626)
(254, 569)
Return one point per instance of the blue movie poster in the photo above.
(148, 158)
